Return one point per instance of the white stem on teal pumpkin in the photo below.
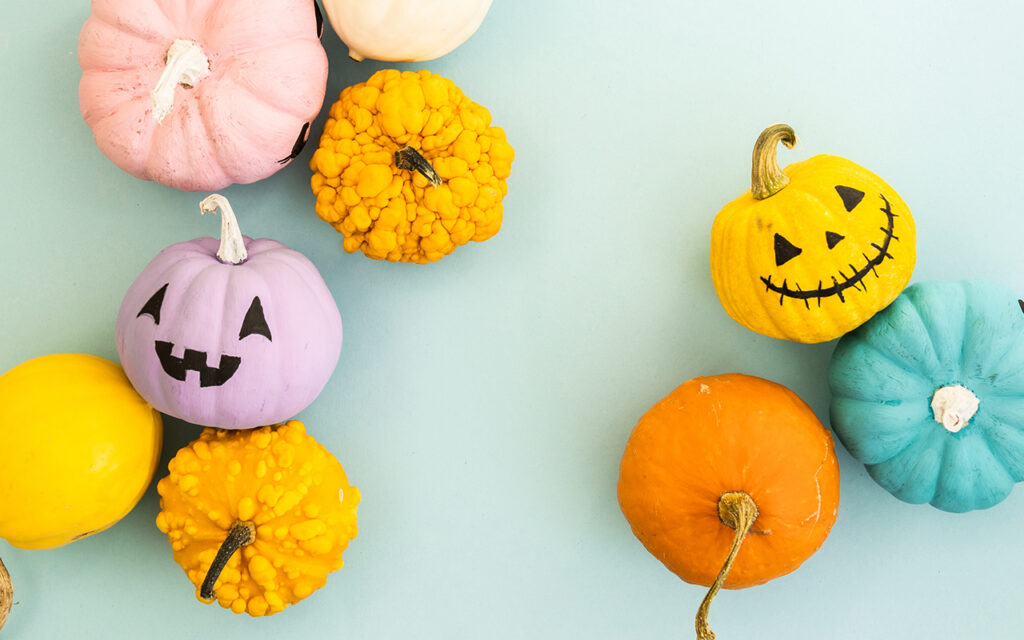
(954, 406)
(232, 246)
(185, 64)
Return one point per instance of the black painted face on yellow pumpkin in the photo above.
(826, 234)
(872, 250)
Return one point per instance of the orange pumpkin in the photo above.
(730, 481)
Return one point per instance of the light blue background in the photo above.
(482, 403)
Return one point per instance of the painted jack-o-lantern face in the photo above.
(229, 345)
(812, 253)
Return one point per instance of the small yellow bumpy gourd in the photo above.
(257, 518)
(409, 168)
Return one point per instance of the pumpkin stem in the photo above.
(185, 64)
(242, 534)
(953, 407)
(410, 159)
(6, 594)
(737, 510)
(232, 245)
(766, 178)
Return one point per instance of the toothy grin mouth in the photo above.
(192, 360)
(856, 277)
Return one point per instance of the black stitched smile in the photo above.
(192, 360)
(855, 279)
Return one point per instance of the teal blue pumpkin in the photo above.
(929, 394)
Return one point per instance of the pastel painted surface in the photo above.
(267, 74)
(884, 375)
(230, 346)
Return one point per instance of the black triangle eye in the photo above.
(1021, 303)
(832, 239)
(153, 305)
(785, 250)
(254, 321)
(851, 197)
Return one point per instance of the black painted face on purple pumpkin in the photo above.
(253, 324)
(859, 262)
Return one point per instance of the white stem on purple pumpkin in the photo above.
(232, 245)
(185, 64)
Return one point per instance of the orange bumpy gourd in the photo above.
(257, 518)
(730, 481)
(409, 168)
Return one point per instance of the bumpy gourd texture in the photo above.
(396, 214)
(281, 480)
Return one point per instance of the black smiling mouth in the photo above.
(192, 360)
(856, 277)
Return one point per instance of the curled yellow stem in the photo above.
(766, 177)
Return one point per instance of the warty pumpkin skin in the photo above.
(720, 434)
(813, 251)
(202, 94)
(929, 394)
(275, 483)
(409, 168)
(404, 30)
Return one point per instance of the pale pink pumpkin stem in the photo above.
(232, 246)
(185, 64)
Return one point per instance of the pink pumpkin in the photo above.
(235, 333)
(201, 94)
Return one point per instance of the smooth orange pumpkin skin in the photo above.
(730, 433)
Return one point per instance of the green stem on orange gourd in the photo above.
(232, 246)
(409, 159)
(6, 594)
(242, 534)
(736, 510)
(766, 178)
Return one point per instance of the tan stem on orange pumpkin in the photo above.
(766, 178)
(737, 510)
(242, 534)
(6, 594)
(185, 64)
(232, 245)
(409, 159)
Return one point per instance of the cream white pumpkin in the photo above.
(404, 30)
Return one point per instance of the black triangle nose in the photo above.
(833, 238)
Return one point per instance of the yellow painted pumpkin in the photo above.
(78, 448)
(409, 168)
(812, 252)
(257, 518)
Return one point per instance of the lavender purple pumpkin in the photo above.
(227, 345)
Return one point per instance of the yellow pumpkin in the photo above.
(409, 168)
(257, 518)
(78, 447)
(812, 252)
